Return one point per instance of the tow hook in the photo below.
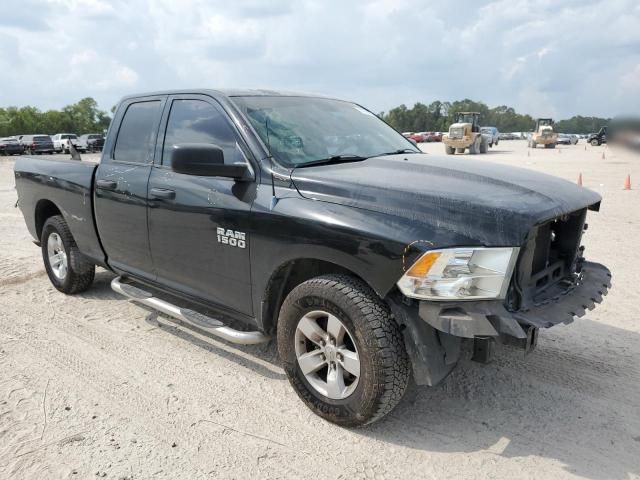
(483, 349)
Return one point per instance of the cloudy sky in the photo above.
(545, 57)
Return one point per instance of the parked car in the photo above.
(492, 133)
(337, 249)
(419, 137)
(563, 139)
(508, 136)
(91, 142)
(10, 146)
(597, 139)
(435, 136)
(37, 144)
(61, 142)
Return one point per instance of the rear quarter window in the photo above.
(137, 135)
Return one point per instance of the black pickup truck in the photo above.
(253, 214)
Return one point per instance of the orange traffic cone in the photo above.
(559, 151)
(585, 148)
(580, 179)
(528, 152)
(627, 183)
(602, 155)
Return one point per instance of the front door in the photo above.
(121, 187)
(198, 226)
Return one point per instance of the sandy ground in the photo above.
(93, 386)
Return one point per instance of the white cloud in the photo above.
(580, 57)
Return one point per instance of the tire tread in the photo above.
(375, 316)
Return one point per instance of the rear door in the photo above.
(121, 186)
(198, 226)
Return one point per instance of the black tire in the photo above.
(460, 150)
(449, 150)
(595, 143)
(80, 272)
(385, 368)
(474, 148)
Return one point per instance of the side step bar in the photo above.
(190, 317)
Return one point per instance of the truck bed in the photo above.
(45, 183)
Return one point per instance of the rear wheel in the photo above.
(460, 150)
(69, 271)
(484, 146)
(449, 150)
(341, 350)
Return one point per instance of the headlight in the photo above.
(460, 274)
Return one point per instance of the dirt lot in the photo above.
(93, 386)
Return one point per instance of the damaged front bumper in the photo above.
(433, 331)
(492, 319)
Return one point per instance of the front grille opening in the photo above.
(549, 260)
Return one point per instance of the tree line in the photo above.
(85, 117)
(437, 116)
(79, 118)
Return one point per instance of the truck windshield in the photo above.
(305, 130)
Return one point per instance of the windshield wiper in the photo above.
(333, 160)
(397, 152)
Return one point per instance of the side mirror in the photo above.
(205, 160)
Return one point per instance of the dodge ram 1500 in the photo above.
(258, 214)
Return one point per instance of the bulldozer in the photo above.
(543, 134)
(465, 133)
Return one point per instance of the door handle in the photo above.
(163, 193)
(107, 184)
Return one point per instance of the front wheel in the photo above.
(449, 150)
(341, 350)
(69, 271)
(595, 143)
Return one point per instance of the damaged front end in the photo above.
(551, 283)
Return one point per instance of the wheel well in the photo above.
(286, 278)
(44, 210)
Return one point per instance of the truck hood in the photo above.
(492, 204)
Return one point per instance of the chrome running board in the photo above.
(190, 317)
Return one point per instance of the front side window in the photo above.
(137, 136)
(197, 121)
(304, 130)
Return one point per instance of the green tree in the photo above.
(81, 117)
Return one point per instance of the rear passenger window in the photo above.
(137, 136)
(197, 121)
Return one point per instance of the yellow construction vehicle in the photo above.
(465, 133)
(543, 134)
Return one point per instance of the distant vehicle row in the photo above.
(423, 137)
(37, 144)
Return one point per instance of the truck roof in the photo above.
(217, 93)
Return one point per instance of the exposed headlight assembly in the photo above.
(468, 273)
